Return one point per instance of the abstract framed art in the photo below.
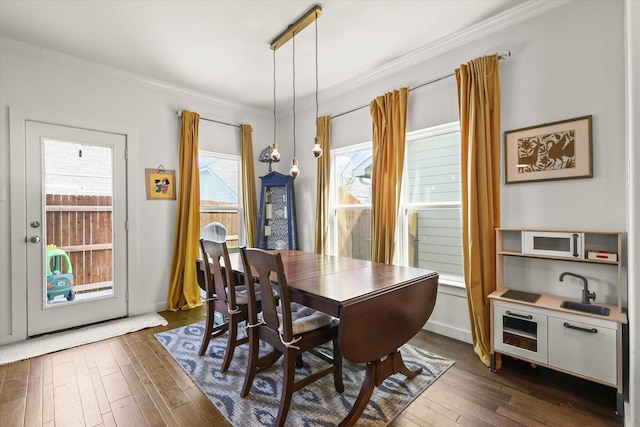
(558, 150)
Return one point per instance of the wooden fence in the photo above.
(82, 227)
(354, 228)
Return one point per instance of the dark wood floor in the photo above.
(132, 381)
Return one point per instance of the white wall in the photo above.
(47, 83)
(563, 65)
(632, 26)
(566, 63)
(560, 68)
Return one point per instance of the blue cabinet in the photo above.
(277, 224)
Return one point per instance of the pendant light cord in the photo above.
(293, 40)
(316, 25)
(275, 121)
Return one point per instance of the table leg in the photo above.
(376, 373)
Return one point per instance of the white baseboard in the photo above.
(448, 331)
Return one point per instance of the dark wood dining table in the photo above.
(380, 307)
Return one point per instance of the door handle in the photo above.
(35, 239)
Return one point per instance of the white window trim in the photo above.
(402, 250)
(240, 207)
(332, 241)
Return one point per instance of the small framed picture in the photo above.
(558, 150)
(161, 184)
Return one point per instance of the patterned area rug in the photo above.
(318, 404)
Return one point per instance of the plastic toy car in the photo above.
(59, 283)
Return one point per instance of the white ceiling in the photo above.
(221, 48)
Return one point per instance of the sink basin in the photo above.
(585, 308)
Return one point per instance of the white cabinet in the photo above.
(585, 348)
(535, 327)
(572, 343)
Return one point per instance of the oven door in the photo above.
(520, 333)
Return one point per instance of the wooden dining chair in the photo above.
(290, 328)
(224, 296)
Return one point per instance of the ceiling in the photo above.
(221, 49)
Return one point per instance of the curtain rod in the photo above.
(179, 114)
(504, 55)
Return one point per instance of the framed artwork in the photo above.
(558, 150)
(161, 183)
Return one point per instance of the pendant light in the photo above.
(294, 172)
(275, 154)
(317, 150)
(289, 34)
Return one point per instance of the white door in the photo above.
(76, 221)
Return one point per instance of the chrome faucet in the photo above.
(586, 295)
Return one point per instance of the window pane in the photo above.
(354, 233)
(353, 177)
(218, 180)
(433, 169)
(219, 197)
(435, 240)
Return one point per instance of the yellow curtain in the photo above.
(184, 292)
(389, 114)
(322, 189)
(249, 186)
(479, 104)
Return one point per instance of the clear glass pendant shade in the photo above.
(317, 150)
(294, 172)
(275, 154)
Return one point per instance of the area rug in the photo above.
(72, 338)
(318, 404)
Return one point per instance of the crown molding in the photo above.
(33, 51)
(521, 13)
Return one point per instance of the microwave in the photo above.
(552, 243)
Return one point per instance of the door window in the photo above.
(78, 226)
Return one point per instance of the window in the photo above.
(429, 232)
(220, 184)
(432, 214)
(351, 196)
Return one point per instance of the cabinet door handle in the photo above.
(578, 328)
(521, 316)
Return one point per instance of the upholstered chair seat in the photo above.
(305, 319)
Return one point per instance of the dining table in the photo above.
(380, 307)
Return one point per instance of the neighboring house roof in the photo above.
(363, 169)
(214, 185)
(354, 176)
